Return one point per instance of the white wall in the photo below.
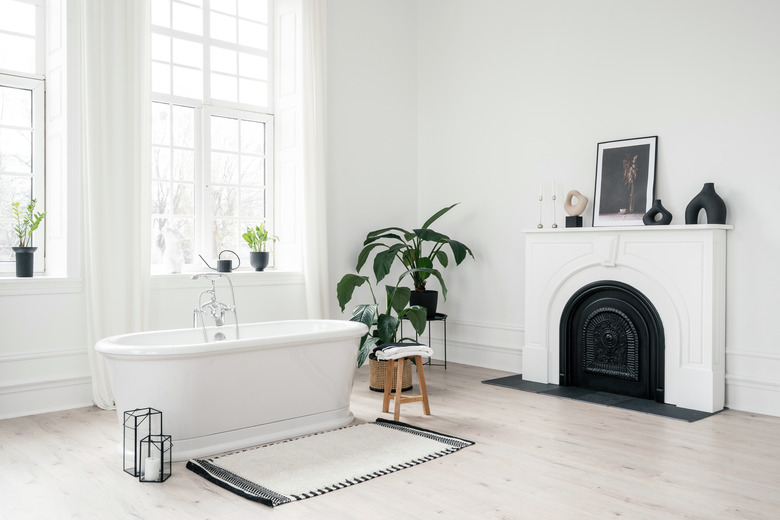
(43, 357)
(510, 93)
(372, 127)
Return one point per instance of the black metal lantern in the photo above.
(156, 458)
(138, 424)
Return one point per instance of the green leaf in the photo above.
(431, 235)
(418, 316)
(366, 345)
(346, 287)
(378, 234)
(391, 236)
(442, 257)
(398, 297)
(363, 256)
(459, 251)
(438, 214)
(384, 261)
(366, 313)
(386, 328)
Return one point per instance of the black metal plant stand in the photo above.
(438, 317)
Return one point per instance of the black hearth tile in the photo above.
(569, 392)
(666, 410)
(602, 398)
(606, 399)
(517, 383)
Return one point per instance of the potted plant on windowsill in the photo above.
(409, 247)
(26, 221)
(257, 238)
(382, 324)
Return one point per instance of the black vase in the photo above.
(25, 261)
(259, 259)
(427, 299)
(655, 210)
(709, 201)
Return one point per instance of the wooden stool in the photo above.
(398, 385)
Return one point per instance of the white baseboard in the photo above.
(44, 381)
(488, 345)
(43, 396)
(486, 356)
(753, 381)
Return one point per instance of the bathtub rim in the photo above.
(113, 347)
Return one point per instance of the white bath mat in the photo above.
(308, 466)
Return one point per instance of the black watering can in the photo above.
(223, 266)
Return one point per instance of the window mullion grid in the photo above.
(204, 216)
(204, 111)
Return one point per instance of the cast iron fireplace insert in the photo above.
(612, 340)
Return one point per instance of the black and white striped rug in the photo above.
(305, 467)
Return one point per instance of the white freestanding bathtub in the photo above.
(279, 380)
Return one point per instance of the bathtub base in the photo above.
(185, 449)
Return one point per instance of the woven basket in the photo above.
(378, 370)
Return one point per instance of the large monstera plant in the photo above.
(383, 322)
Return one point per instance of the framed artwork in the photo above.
(625, 181)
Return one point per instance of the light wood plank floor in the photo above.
(535, 457)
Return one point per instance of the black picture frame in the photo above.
(625, 181)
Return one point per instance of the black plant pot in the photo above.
(25, 261)
(709, 201)
(259, 259)
(427, 299)
(655, 210)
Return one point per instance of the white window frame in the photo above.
(36, 83)
(204, 109)
(205, 159)
(38, 177)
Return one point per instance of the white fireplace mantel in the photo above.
(681, 269)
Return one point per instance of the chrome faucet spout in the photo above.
(212, 307)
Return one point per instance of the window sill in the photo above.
(239, 278)
(42, 284)
(39, 284)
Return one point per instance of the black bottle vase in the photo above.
(655, 210)
(709, 201)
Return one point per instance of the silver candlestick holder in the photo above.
(540, 225)
(554, 224)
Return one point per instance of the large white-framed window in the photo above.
(212, 128)
(22, 120)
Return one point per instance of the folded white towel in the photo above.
(396, 352)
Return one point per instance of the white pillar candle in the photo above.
(541, 190)
(152, 468)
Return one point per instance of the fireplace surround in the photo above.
(677, 271)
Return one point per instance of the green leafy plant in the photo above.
(383, 325)
(26, 221)
(409, 247)
(257, 238)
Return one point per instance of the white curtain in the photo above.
(315, 251)
(115, 113)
